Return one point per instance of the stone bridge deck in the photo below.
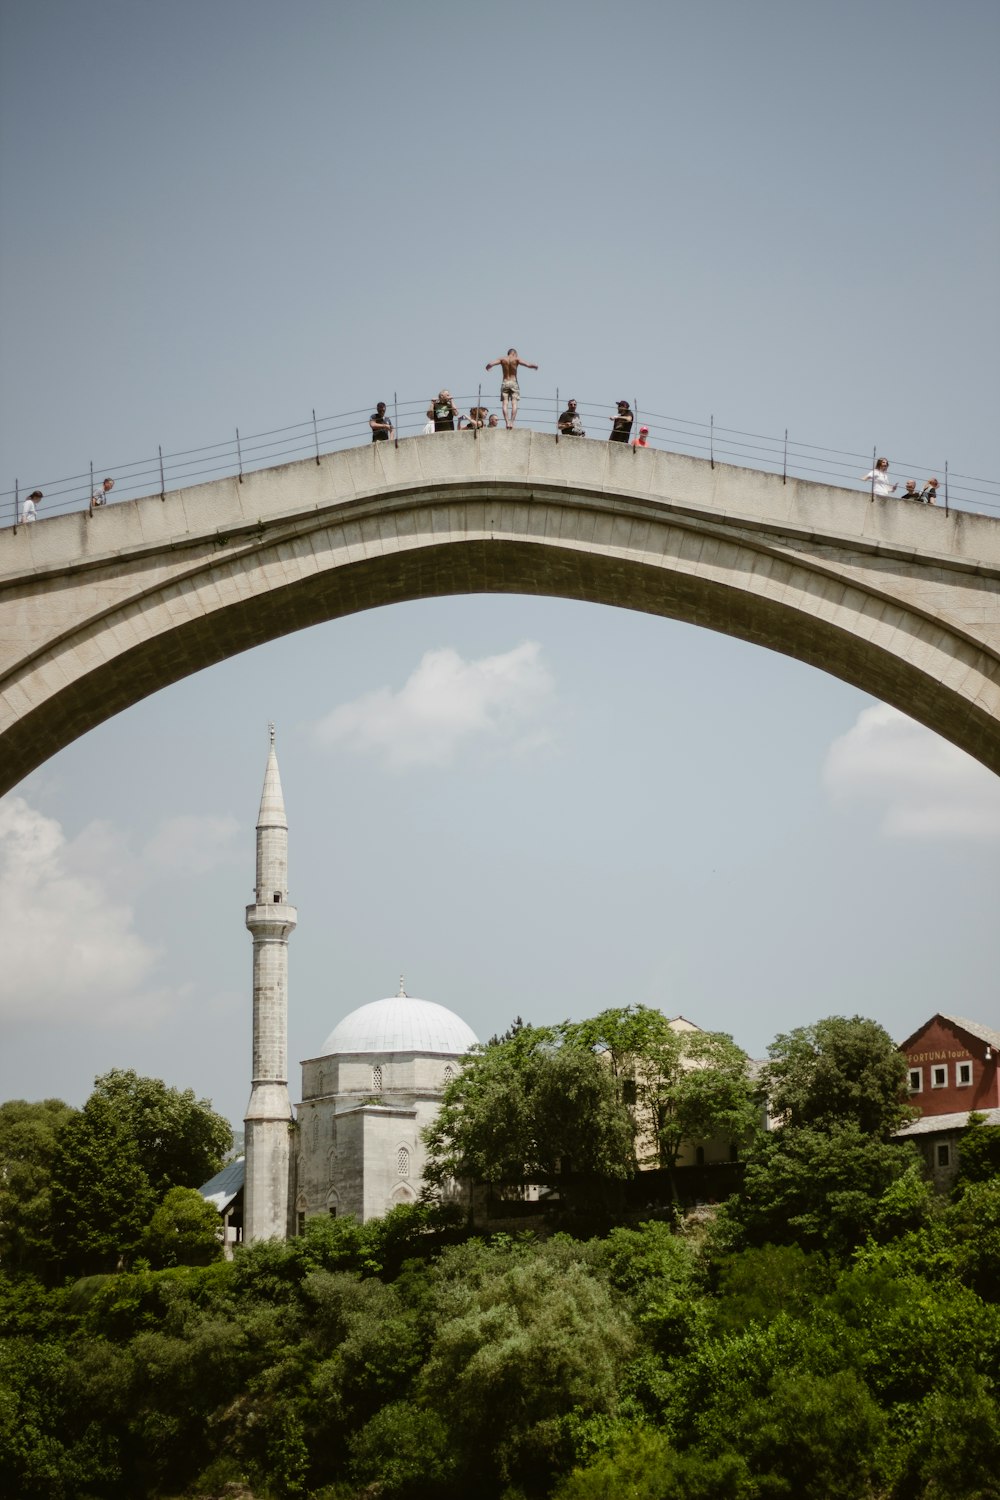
(98, 611)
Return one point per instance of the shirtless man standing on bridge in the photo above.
(509, 388)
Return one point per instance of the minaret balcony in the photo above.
(274, 920)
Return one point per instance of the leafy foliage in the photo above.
(184, 1231)
(180, 1140)
(978, 1153)
(839, 1071)
(525, 1109)
(836, 1337)
(599, 1097)
(824, 1189)
(28, 1134)
(133, 1141)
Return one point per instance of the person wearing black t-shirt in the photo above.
(569, 423)
(442, 412)
(382, 428)
(621, 425)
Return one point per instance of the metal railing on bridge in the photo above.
(243, 453)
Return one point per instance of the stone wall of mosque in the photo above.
(361, 1158)
(369, 1074)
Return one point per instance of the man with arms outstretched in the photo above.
(509, 390)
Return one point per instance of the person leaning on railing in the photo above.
(100, 495)
(382, 428)
(569, 423)
(442, 412)
(28, 507)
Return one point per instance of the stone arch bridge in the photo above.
(98, 611)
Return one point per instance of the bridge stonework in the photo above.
(98, 611)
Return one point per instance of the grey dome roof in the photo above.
(402, 1024)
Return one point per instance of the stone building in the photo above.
(354, 1143)
(365, 1100)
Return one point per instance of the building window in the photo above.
(332, 1210)
(377, 1078)
(402, 1162)
(944, 1156)
(449, 1072)
(964, 1074)
(916, 1080)
(939, 1077)
(630, 1092)
(300, 1222)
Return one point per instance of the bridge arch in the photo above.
(97, 612)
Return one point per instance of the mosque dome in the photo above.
(402, 1024)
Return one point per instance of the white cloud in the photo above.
(68, 944)
(68, 947)
(445, 704)
(927, 788)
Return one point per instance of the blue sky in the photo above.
(224, 215)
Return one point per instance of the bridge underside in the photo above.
(80, 643)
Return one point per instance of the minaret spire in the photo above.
(270, 920)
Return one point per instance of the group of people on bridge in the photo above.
(878, 478)
(444, 416)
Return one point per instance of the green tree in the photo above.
(840, 1070)
(101, 1197)
(814, 1437)
(682, 1086)
(644, 1466)
(184, 1231)
(586, 1095)
(403, 1453)
(756, 1285)
(524, 1342)
(523, 1109)
(978, 1153)
(27, 1146)
(659, 1275)
(134, 1139)
(824, 1189)
(181, 1141)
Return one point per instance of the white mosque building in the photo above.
(353, 1145)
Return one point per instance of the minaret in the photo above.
(269, 1113)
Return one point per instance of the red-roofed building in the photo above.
(954, 1069)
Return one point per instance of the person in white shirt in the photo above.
(28, 508)
(100, 495)
(878, 478)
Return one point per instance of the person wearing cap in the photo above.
(569, 423)
(929, 492)
(442, 412)
(642, 441)
(621, 424)
(28, 507)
